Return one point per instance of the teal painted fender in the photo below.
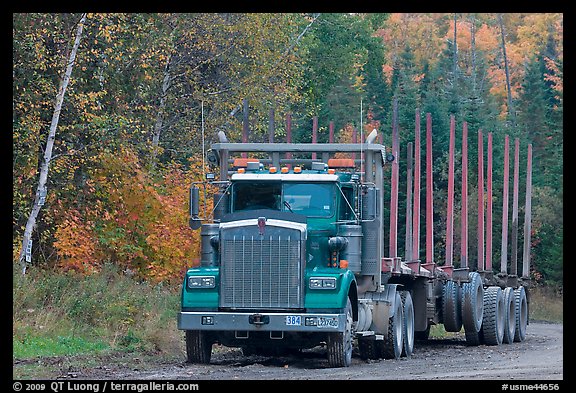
(331, 298)
(200, 297)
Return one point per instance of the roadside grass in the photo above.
(546, 304)
(58, 314)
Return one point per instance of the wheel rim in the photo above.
(479, 306)
(398, 326)
(408, 324)
(521, 314)
(510, 317)
(348, 336)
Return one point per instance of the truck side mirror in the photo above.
(195, 221)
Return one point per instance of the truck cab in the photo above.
(275, 267)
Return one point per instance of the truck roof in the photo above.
(305, 177)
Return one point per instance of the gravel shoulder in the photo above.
(539, 357)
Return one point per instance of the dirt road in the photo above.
(538, 357)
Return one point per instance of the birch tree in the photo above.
(41, 189)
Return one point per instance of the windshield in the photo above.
(252, 196)
(309, 199)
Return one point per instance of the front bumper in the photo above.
(287, 322)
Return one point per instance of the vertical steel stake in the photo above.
(489, 206)
(288, 132)
(527, 216)
(394, 186)
(271, 126)
(514, 260)
(429, 193)
(480, 265)
(464, 213)
(416, 213)
(505, 197)
(245, 126)
(450, 210)
(354, 140)
(408, 244)
(314, 133)
(331, 132)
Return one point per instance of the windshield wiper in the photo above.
(288, 206)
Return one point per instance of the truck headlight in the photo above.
(195, 282)
(322, 283)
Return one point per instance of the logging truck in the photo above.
(294, 256)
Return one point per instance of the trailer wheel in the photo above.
(472, 308)
(392, 345)
(494, 316)
(452, 306)
(339, 345)
(521, 313)
(408, 309)
(510, 316)
(198, 347)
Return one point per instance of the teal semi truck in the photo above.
(293, 257)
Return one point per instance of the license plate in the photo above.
(293, 320)
(328, 322)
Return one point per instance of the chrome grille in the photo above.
(261, 271)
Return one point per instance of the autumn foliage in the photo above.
(148, 89)
(131, 220)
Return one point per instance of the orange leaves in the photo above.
(555, 76)
(76, 243)
(135, 222)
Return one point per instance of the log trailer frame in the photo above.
(306, 266)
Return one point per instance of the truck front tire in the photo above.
(340, 344)
(198, 347)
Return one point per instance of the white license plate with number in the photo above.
(327, 322)
(293, 320)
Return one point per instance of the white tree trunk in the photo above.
(31, 223)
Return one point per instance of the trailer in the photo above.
(294, 256)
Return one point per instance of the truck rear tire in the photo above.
(198, 347)
(367, 348)
(393, 343)
(493, 320)
(452, 306)
(521, 313)
(510, 316)
(339, 345)
(408, 308)
(472, 308)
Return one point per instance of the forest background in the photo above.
(128, 142)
